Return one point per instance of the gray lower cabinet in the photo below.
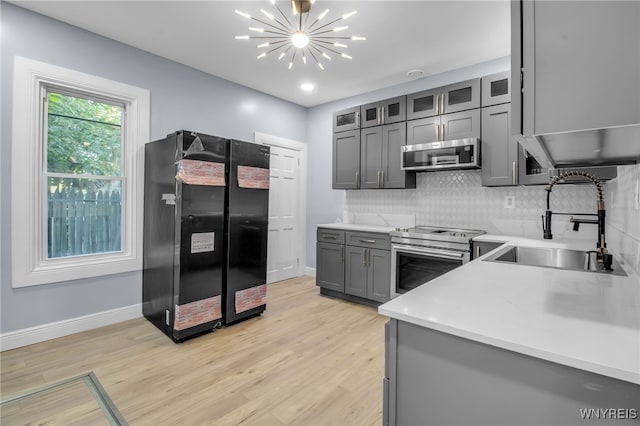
(354, 265)
(330, 259)
(330, 266)
(499, 147)
(367, 273)
(380, 157)
(346, 160)
(435, 378)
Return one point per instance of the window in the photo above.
(83, 176)
(77, 174)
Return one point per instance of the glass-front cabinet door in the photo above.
(389, 111)
(461, 96)
(496, 89)
(347, 119)
(423, 104)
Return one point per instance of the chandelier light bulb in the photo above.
(245, 15)
(347, 15)
(267, 14)
(323, 14)
(336, 29)
(299, 39)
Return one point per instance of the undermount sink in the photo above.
(558, 258)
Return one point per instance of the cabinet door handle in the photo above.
(442, 133)
(342, 254)
(357, 180)
(438, 132)
(328, 237)
(442, 107)
(382, 180)
(367, 241)
(378, 181)
(382, 120)
(437, 104)
(364, 257)
(513, 172)
(357, 119)
(368, 257)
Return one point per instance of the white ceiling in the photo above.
(434, 36)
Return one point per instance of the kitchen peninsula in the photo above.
(502, 343)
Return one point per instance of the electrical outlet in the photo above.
(509, 202)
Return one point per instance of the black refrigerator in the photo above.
(205, 232)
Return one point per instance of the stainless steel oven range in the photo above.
(423, 253)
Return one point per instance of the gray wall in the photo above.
(325, 205)
(181, 98)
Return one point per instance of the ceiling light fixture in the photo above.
(299, 34)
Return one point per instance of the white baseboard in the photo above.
(310, 271)
(41, 333)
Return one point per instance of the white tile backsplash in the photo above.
(458, 199)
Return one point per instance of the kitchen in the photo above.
(438, 197)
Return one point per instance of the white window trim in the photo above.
(29, 264)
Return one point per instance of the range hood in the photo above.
(596, 147)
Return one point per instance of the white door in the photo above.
(283, 257)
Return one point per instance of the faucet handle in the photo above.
(546, 225)
(607, 260)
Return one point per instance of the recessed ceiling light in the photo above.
(307, 87)
(416, 73)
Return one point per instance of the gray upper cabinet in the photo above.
(346, 160)
(576, 81)
(581, 63)
(380, 157)
(394, 136)
(423, 104)
(499, 148)
(496, 89)
(443, 100)
(370, 157)
(461, 96)
(423, 130)
(347, 119)
(459, 125)
(384, 112)
(530, 172)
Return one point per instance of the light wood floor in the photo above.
(308, 360)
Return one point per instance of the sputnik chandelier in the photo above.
(299, 34)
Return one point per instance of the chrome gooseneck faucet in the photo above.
(601, 245)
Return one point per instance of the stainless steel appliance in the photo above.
(442, 155)
(420, 254)
(205, 232)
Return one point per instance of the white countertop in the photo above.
(358, 227)
(585, 320)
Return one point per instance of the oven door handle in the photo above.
(443, 254)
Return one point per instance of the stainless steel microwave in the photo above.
(442, 155)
